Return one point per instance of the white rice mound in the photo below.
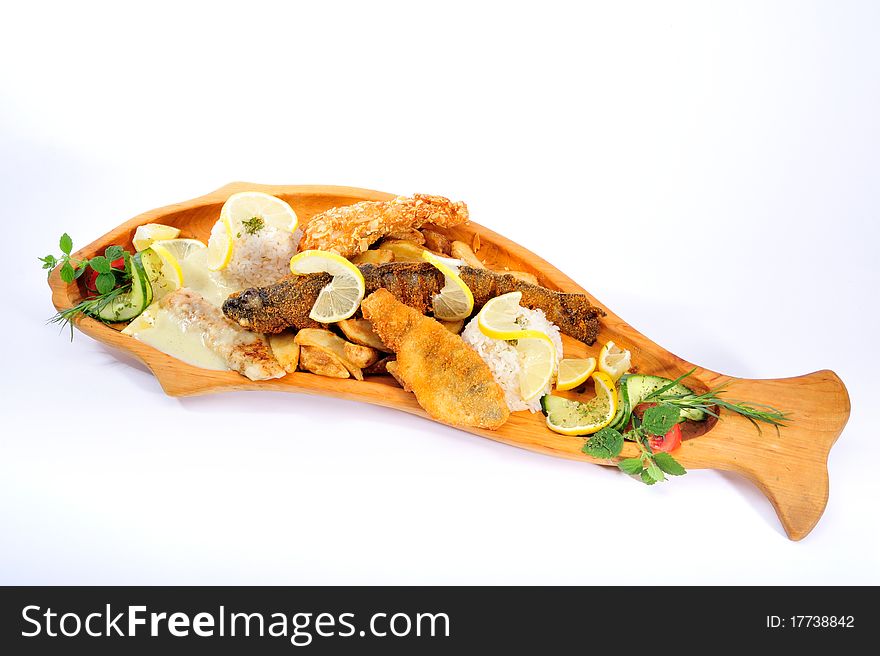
(503, 359)
(262, 258)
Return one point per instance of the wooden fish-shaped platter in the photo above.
(789, 466)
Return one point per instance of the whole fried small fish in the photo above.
(450, 380)
(350, 229)
(288, 302)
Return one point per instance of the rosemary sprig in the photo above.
(91, 306)
(707, 401)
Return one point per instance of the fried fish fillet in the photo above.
(450, 381)
(288, 303)
(246, 352)
(351, 229)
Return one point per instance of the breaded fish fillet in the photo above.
(246, 352)
(288, 303)
(450, 381)
(351, 229)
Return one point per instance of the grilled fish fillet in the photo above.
(246, 352)
(351, 229)
(450, 381)
(288, 302)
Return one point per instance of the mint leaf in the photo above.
(67, 273)
(596, 449)
(630, 466)
(113, 252)
(100, 264)
(659, 419)
(669, 464)
(605, 444)
(105, 282)
(49, 261)
(654, 471)
(646, 478)
(66, 244)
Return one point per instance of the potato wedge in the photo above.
(462, 251)
(378, 256)
(404, 251)
(436, 242)
(453, 326)
(360, 331)
(322, 362)
(330, 342)
(286, 350)
(475, 242)
(378, 368)
(360, 356)
(525, 276)
(409, 234)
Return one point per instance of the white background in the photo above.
(709, 171)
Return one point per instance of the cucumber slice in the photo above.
(129, 305)
(561, 411)
(640, 386)
(624, 411)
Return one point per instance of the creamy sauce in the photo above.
(179, 338)
(199, 278)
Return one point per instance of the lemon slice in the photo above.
(575, 418)
(574, 372)
(167, 271)
(342, 296)
(497, 319)
(220, 245)
(614, 360)
(455, 301)
(253, 210)
(150, 232)
(537, 357)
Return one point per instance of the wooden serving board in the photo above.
(790, 467)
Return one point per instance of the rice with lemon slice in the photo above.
(253, 240)
(260, 258)
(504, 359)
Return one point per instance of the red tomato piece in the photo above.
(669, 442)
(90, 276)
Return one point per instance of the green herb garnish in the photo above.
(707, 401)
(110, 282)
(651, 467)
(253, 225)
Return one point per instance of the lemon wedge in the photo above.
(576, 418)
(537, 357)
(163, 262)
(614, 360)
(148, 233)
(455, 301)
(220, 245)
(254, 210)
(342, 296)
(497, 319)
(574, 372)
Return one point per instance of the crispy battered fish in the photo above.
(246, 352)
(351, 229)
(450, 381)
(288, 302)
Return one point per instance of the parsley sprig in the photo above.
(652, 467)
